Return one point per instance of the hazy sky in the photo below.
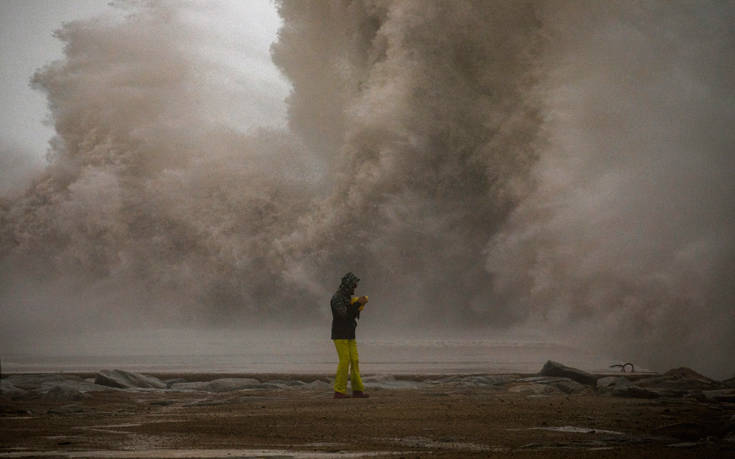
(27, 43)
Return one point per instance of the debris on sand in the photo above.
(624, 366)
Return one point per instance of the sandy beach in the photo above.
(282, 415)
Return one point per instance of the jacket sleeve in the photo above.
(342, 307)
(353, 310)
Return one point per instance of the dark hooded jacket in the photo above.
(344, 314)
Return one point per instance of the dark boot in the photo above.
(340, 395)
(359, 394)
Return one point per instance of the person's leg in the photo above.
(343, 352)
(357, 385)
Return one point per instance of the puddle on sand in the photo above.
(109, 428)
(201, 453)
(574, 429)
(424, 442)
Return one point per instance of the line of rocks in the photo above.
(554, 378)
(678, 382)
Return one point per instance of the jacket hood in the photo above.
(349, 282)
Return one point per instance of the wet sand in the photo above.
(437, 420)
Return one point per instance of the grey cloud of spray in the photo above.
(627, 241)
(479, 164)
(427, 116)
(153, 210)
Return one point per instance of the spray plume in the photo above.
(478, 164)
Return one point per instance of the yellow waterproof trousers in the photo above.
(348, 360)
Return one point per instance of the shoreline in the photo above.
(676, 414)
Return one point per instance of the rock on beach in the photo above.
(620, 386)
(552, 368)
(218, 385)
(9, 390)
(127, 380)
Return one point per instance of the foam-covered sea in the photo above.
(303, 352)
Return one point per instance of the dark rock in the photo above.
(620, 386)
(209, 402)
(564, 385)
(634, 391)
(686, 444)
(689, 374)
(127, 380)
(317, 385)
(10, 391)
(541, 379)
(679, 382)
(66, 410)
(8, 410)
(389, 382)
(187, 386)
(692, 394)
(46, 382)
(552, 368)
(36, 381)
(686, 431)
(608, 382)
(472, 380)
(286, 382)
(572, 387)
(530, 388)
(63, 393)
(161, 403)
(230, 384)
(488, 380)
(219, 385)
(171, 382)
(73, 385)
(721, 395)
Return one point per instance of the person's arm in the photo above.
(353, 309)
(359, 302)
(342, 307)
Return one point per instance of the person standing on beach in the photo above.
(345, 313)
